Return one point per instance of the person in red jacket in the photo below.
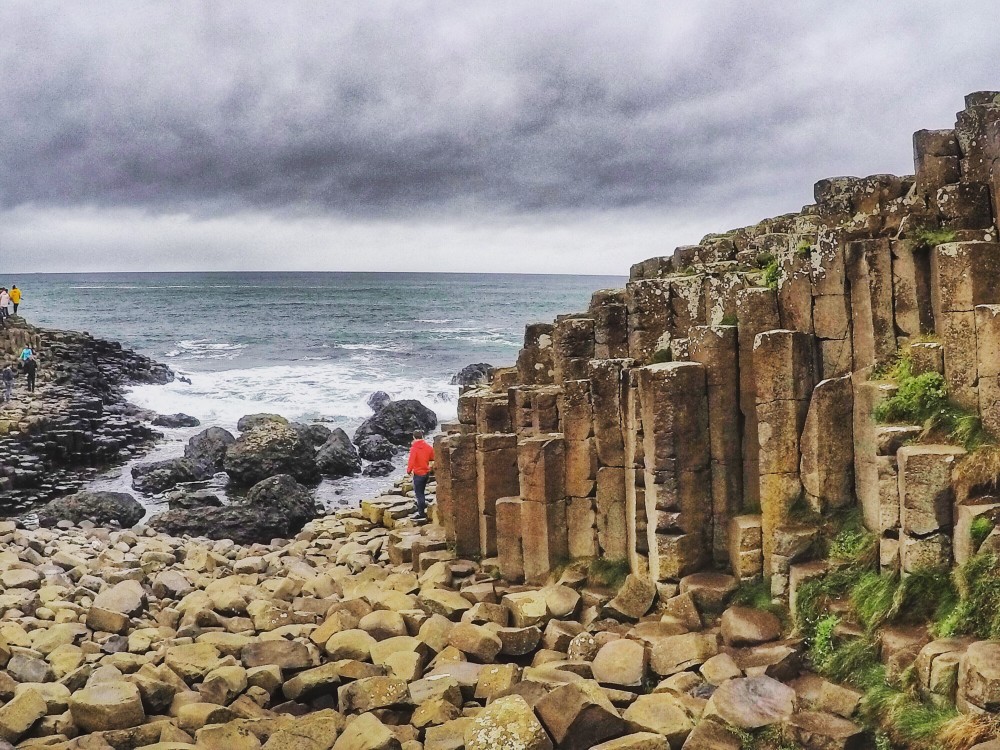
(419, 466)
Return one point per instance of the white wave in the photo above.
(331, 391)
(368, 347)
(434, 320)
(208, 345)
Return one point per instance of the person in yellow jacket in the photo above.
(15, 297)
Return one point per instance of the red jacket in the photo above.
(421, 454)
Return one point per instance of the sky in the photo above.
(458, 135)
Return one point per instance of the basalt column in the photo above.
(674, 409)
(608, 383)
(610, 314)
(717, 348)
(757, 311)
(496, 476)
(577, 420)
(541, 462)
(783, 373)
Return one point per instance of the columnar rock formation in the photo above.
(709, 414)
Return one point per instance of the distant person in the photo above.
(30, 368)
(26, 354)
(4, 303)
(419, 465)
(15, 297)
(7, 379)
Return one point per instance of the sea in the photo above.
(309, 346)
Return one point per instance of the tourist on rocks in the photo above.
(30, 368)
(7, 380)
(4, 302)
(15, 297)
(26, 354)
(419, 465)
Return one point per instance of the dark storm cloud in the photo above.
(405, 107)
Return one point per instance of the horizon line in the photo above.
(384, 273)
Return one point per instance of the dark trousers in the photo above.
(419, 485)
(31, 382)
(15, 307)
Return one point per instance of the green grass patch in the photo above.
(923, 400)
(729, 320)
(608, 572)
(774, 737)
(660, 356)
(854, 545)
(977, 608)
(931, 236)
(804, 248)
(981, 527)
(757, 594)
(769, 264)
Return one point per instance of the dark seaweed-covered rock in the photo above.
(338, 457)
(378, 469)
(378, 401)
(101, 508)
(209, 446)
(158, 476)
(376, 448)
(176, 420)
(277, 507)
(269, 449)
(397, 421)
(474, 374)
(315, 435)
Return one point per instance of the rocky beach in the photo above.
(747, 502)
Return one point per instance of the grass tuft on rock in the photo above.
(930, 236)
(923, 399)
(980, 529)
(978, 472)
(977, 609)
(660, 356)
(608, 572)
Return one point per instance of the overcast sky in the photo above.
(572, 137)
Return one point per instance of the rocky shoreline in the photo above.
(78, 419)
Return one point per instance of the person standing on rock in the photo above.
(15, 297)
(30, 368)
(419, 465)
(7, 380)
(4, 303)
(26, 354)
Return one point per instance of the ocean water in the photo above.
(308, 346)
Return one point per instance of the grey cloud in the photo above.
(401, 108)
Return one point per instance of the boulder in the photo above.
(288, 655)
(661, 713)
(397, 421)
(269, 449)
(578, 714)
(366, 732)
(378, 469)
(474, 374)
(338, 457)
(636, 741)
(633, 600)
(209, 446)
(376, 448)
(182, 499)
(157, 476)
(100, 508)
(314, 435)
(746, 626)
(275, 508)
(979, 677)
(621, 663)
(378, 401)
(175, 420)
(507, 722)
(107, 705)
(752, 702)
(249, 421)
(113, 607)
(20, 714)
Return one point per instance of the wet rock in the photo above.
(100, 508)
(249, 421)
(376, 448)
(176, 420)
(157, 476)
(268, 449)
(397, 421)
(378, 469)
(274, 508)
(209, 446)
(338, 457)
(474, 374)
(314, 435)
(378, 401)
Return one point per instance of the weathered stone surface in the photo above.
(662, 714)
(507, 722)
(745, 626)
(751, 702)
(107, 705)
(579, 714)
